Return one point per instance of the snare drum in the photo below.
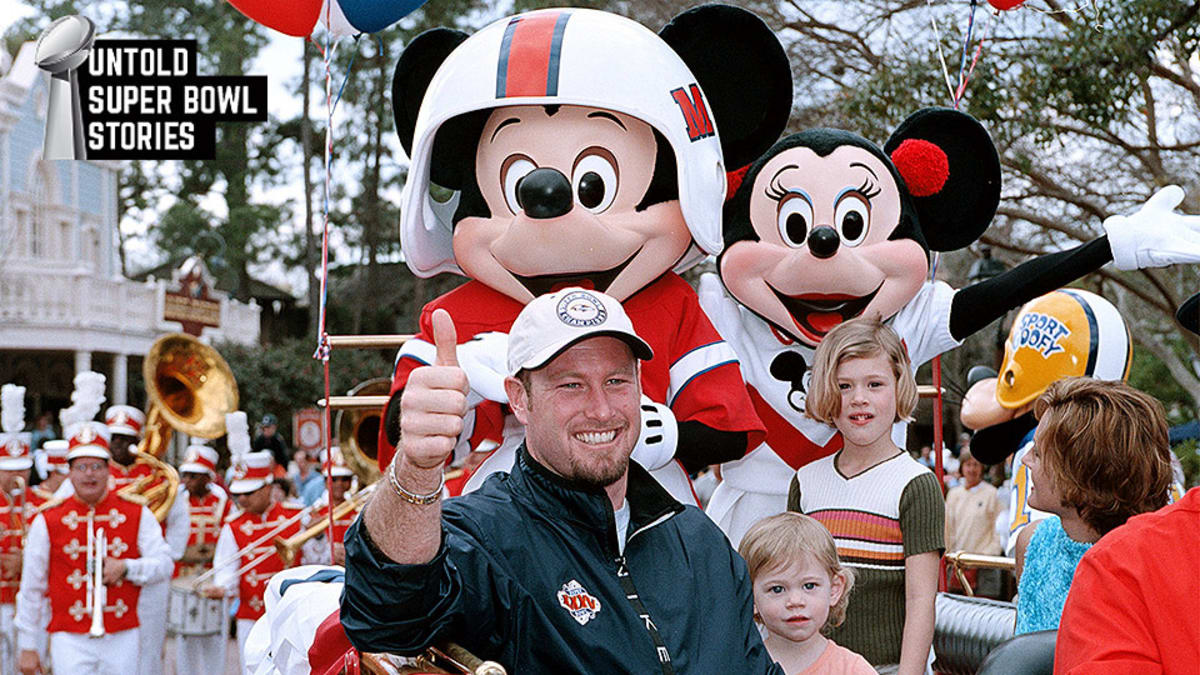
(191, 614)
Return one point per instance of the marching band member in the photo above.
(261, 518)
(57, 565)
(316, 550)
(55, 470)
(125, 424)
(208, 506)
(15, 463)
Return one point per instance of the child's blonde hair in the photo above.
(783, 538)
(855, 339)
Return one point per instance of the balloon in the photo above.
(351, 17)
(293, 17)
(1005, 5)
(345, 17)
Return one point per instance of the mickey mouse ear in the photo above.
(1189, 314)
(952, 172)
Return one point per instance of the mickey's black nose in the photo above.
(823, 241)
(545, 193)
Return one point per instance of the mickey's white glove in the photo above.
(1155, 235)
(660, 434)
(485, 360)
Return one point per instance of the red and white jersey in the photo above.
(239, 532)
(121, 475)
(55, 564)
(206, 516)
(693, 370)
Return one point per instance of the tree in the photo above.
(1093, 107)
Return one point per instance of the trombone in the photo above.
(273, 532)
(287, 548)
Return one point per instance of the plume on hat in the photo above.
(12, 408)
(86, 400)
(238, 439)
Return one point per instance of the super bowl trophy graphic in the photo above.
(61, 49)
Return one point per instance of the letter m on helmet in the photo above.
(691, 104)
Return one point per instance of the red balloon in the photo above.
(1005, 5)
(293, 17)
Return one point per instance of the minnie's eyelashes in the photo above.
(776, 190)
(869, 189)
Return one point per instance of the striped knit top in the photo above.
(878, 517)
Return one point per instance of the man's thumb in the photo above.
(445, 339)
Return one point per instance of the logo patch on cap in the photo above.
(582, 606)
(15, 448)
(581, 310)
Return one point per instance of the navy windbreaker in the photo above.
(528, 575)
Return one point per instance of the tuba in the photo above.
(358, 430)
(189, 388)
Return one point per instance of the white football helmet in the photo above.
(567, 57)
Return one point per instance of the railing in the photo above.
(54, 297)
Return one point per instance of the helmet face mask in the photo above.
(616, 115)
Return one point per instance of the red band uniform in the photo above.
(55, 567)
(240, 530)
(201, 654)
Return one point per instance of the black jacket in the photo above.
(528, 547)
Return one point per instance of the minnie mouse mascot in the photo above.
(584, 150)
(827, 226)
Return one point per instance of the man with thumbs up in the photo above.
(575, 562)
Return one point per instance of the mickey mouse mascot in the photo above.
(584, 150)
(827, 226)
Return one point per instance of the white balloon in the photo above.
(335, 21)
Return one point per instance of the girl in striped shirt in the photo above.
(884, 509)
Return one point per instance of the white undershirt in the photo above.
(622, 517)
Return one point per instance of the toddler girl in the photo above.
(800, 590)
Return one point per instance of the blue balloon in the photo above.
(370, 16)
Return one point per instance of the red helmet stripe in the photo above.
(529, 55)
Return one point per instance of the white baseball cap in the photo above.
(551, 323)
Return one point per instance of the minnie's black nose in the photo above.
(823, 241)
(545, 193)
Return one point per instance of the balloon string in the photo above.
(966, 77)
(962, 64)
(323, 348)
(937, 42)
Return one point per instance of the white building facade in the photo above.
(64, 304)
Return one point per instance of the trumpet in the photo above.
(97, 550)
(286, 548)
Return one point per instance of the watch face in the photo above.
(310, 433)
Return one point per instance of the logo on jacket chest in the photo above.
(581, 605)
